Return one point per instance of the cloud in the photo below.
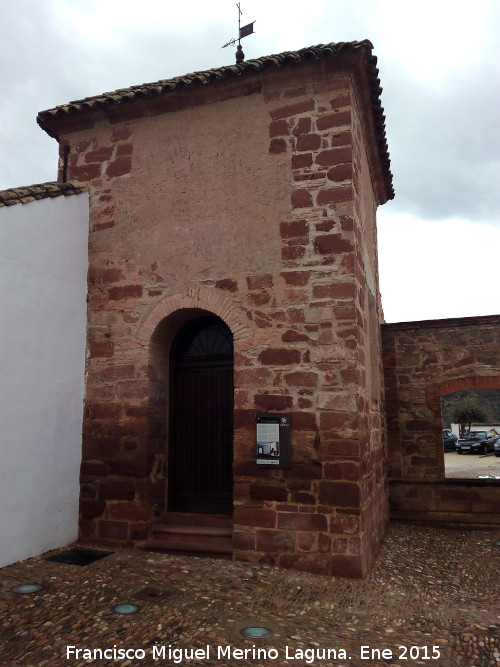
(431, 269)
(438, 67)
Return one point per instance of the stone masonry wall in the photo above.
(258, 208)
(422, 362)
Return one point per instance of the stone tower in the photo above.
(233, 264)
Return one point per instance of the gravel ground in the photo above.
(471, 465)
(433, 593)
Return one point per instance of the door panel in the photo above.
(200, 478)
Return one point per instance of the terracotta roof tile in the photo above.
(29, 193)
(146, 90)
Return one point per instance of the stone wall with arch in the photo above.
(422, 362)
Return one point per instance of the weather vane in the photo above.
(242, 32)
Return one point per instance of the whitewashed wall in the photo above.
(43, 287)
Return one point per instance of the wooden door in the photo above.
(201, 417)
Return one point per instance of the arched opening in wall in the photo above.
(201, 418)
(471, 433)
(191, 413)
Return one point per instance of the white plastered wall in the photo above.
(43, 288)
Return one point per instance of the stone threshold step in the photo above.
(222, 531)
(184, 543)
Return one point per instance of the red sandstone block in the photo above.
(302, 161)
(113, 530)
(308, 142)
(278, 128)
(227, 284)
(303, 497)
(305, 541)
(342, 100)
(244, 419)
(85, 173)
(273, 401)
(292, 336)
(335, 119)
(139, 530)
(307, 562)
(127, 511)
(104, 276)
(125, 292)
(267, 492)
(292, 109)
(252, 377)
(100, 155)
(298, 521)
(93, 468)
(259, 298)
(292, 252)
(243, 541)
(253, 516)
(101, 348)
(342, 139)
(334, 156)
(134, 468)
(279, 357)
(294, 229)
(332, 243)
(336, 195)
(277, 146)
(335, 290)
(126, 372)
(301, 379)
(346, 524)
(305, 421)
(343, 470)
(311, 470)
(88, 491)
(303, 126)
(274, 540)
(116, 491)
(296, 278)
(341, 172)
(105, 410)
(90, 509)
(97, 227)
(301, 198)
(325, 226)
(344, 312)
(324, 543)
(339, 494)
(344, 565)
(261, 281)
(124, 149)
(119, 167)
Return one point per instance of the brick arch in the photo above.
(435, 391)
(201, 298)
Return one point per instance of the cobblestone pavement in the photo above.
(432, 598)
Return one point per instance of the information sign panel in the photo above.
(273, 440)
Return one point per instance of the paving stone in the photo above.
(428, 587)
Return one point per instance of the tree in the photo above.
(468, 410)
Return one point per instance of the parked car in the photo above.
(476, 441)
(496, 447)
(449, 440)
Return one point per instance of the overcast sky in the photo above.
(439, 240)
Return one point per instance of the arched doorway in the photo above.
(201, 418)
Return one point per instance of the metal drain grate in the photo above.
(79, 556)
